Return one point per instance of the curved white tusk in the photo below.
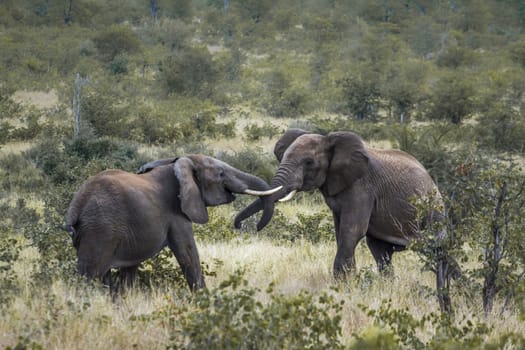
(288, 196)
(263, 193)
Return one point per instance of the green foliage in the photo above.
(190, 72)
(361, 93)
(10, 248)
(115, 40)
(119, 65)
(253, 161)
(285, 99)
(315, 228)
(163, 271)
(101, 110)
(218, 228)
(25, 343)
(399, 329)
(499, 224)
(255, 132)
(452, 98)
(502, 128)
(230, 316)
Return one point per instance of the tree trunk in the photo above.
(493, 257)
(77, 98)
(68, 13)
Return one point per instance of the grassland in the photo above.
(72, 315)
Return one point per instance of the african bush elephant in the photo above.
(369, 192)
(118, 219)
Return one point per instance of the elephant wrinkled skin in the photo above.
(369, 192)
(118, 219)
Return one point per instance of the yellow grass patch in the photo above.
(38, 99)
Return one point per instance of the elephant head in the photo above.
(118, 219)
(206, 181)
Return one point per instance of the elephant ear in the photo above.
(286, 140)
(156, 163)
(191, 201)
(349, 162)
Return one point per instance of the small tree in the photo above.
(452, 98)
(361, 93)
(499, 225)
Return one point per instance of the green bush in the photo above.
(191, 72)
(253, 161)
(254, 132)
(314, 228)
(119, 65)
(163, 271)
(230, 316)
(10, 248)
(399, 329)
(502, 128)
(285, 99)
(115, 40)
(217, 229)
(103, 110)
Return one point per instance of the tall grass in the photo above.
(81, 316)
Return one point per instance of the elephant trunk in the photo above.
(241, 182)
(281, 178)
(279, 184)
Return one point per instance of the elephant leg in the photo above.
(352, 227)
(382, 253)
(127, 276)
(182, 244)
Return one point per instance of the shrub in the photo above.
(254, 132)
(217, 229)
(401, 330)
(101, 110)
(285, 100)
(502, 128)
(452, 98)
(10, 248)
(163, 271)
(253, 161)
(230, 316)
(190, 72)
(115, 40)
(119, 65)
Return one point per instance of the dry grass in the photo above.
(75, 318)
(37, 99)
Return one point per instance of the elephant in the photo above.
(369, 192)
(118, 219)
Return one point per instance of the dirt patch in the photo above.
(38, 99)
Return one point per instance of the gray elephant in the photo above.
(369, 192)
(118, 219)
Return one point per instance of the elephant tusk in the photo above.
(288, 196)
(263, 193)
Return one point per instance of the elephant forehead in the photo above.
(306, 144)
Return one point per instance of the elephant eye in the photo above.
(309, 162)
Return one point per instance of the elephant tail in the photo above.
(70, 226)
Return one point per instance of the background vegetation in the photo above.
(87, 85)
